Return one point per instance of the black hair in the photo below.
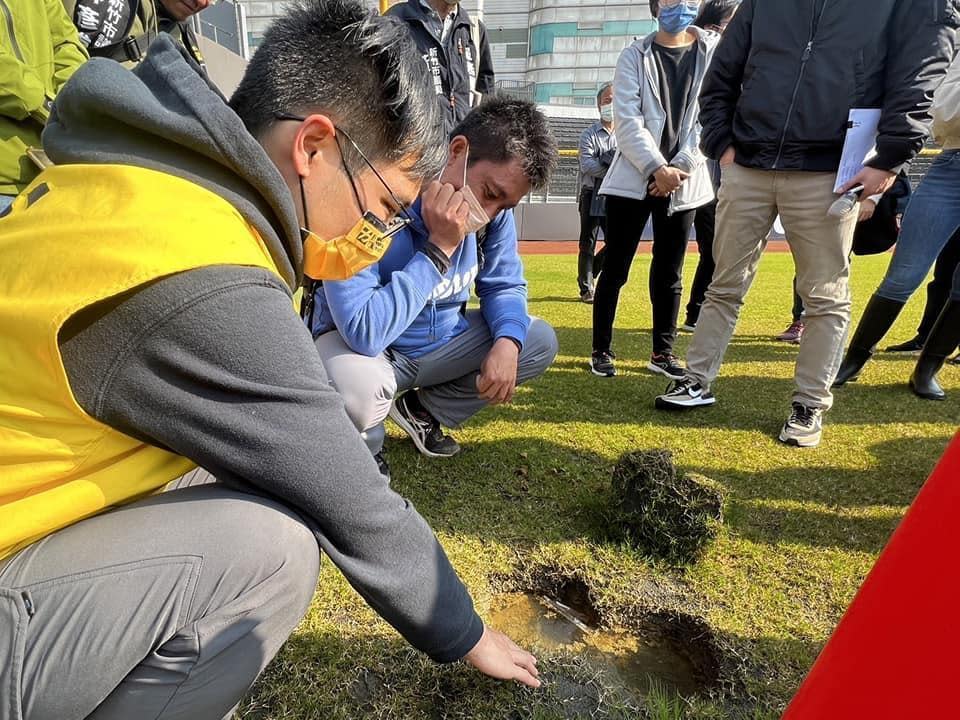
(716, 12)
(654, 7)
(361, 69)
(503, 128)
(603, 88)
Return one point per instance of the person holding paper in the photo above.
(774, 111)
(931, 219)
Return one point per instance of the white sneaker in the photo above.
(804, 427)
(684, 394)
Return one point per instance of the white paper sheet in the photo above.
(859, 144)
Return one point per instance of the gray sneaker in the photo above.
(804, 426)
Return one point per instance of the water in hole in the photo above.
(632, 662)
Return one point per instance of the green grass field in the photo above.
(521, 509)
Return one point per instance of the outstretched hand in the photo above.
(499, 657)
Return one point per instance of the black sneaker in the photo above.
(382, 465)
(914, 345)
(685, 394)
(803, 428)
(666, 364)
(422, 427)
(601, 363)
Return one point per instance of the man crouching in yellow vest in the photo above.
(147, 329)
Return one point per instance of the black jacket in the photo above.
(787, 72)
(452, 62)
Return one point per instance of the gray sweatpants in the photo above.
(446, 379)
(165, 609)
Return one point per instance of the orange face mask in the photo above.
(344, 256)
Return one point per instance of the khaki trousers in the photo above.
(749, 201)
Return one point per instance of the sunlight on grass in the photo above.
(523, 505)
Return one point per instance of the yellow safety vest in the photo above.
(80, 234)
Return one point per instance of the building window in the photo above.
(517, 51)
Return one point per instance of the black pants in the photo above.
(938, 291)
(626, 219)
(705, 223)
(589, 264)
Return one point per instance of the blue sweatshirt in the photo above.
(404, 303)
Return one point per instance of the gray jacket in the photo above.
(640, 118)
(215, 364)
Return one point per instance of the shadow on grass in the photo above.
(528, 491)
(852, 520)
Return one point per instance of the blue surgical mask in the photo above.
(606, 113)
(677, 18)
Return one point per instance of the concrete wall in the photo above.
(547, 221)
(224, 67)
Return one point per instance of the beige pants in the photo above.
(820, 244)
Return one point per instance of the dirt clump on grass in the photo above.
(661, 510)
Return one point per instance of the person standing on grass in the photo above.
(715, 15)
(148, 330)
(598, 145)
(938, 292)
(774, 111)
(931, 219)
(658, 171)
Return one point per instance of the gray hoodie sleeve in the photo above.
(214, 364)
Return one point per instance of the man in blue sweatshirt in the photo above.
(402, 325)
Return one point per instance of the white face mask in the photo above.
(477, 218)
(606, 113)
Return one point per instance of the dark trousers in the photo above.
(797, 311)
(938, 291)
(705, 223)
(626, 219)
(589, 264)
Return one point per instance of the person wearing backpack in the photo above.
(123, 29)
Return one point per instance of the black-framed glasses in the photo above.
(403, 216)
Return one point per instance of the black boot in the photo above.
(942, 341)
(877, 319)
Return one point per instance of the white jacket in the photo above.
(640, 118)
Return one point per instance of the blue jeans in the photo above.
(931, 219)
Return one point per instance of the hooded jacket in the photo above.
(403, 302)
(786, 75)
(640, 120)
(451, 62)
(39, 51)
(215, 365)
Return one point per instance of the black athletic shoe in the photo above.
(685, 394)
(382, 464)
(601, 363)
(666, 364)
(914, 345)
(422, 427)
